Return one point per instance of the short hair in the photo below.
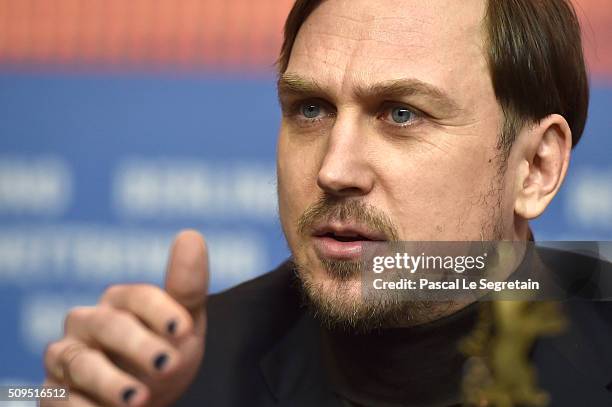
(534, 55)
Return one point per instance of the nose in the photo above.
(346, 170)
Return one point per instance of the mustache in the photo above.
(329, 208)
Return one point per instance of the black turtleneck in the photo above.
(422, 365)
(415, 366)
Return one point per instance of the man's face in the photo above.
(389, 132)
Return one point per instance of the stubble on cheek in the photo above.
(333, 289)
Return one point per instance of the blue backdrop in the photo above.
(97, 173)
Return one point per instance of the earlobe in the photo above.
(544, 163)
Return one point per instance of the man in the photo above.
(402, 120)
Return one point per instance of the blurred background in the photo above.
(122, 122)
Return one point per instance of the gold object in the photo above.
(498, 371)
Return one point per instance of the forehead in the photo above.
(348, 43)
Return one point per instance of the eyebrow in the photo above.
(289, 83)
(295, 84)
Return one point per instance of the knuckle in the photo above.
(52, 358)
(154, 297)
(112, 292)
(52, 352)
(142, 292)
(71, 352)
(128, 295)
(114, 322)
(75, 317)
(69, 355)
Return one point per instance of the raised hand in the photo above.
(140, 345)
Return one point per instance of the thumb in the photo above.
(187, 274)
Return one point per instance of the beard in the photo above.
(337, 300)
(340, 305)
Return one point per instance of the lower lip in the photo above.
(329, 248)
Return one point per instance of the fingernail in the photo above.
(171, 327)
(160, 361)
(128, 394)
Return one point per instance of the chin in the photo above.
(337, 300)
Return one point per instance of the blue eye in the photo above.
(401, 115)
(310, 110)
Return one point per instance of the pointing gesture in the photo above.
(141, 345)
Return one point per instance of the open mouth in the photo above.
(351, 237)
(343, 241)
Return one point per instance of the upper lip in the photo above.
(348, 230)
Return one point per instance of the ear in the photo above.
(544, 159)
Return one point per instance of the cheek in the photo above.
(284, 177)
(441, 197)
(297, 187)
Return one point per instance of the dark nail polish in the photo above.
(171, 327)
(160, 361)
(128, 394)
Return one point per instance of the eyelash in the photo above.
(416, 115)
(295, 111)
